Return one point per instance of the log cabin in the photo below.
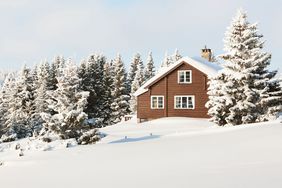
(179, 90)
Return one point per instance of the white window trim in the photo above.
(193, 102)
(157, 101)
(184, 77)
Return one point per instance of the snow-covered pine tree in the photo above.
(171, 59)
(271, 99)
(167, 61)
(21, 106)
(94, 83)
(137, 82)
(57, 64)
(120, 105)
(5, 99)
(176, 56)
(219, 99)
(35, 75)
(3, 75)
(43, 86)
(69, 102)
(107, 95)
(246, 70)
(150, 68)
(83, 75)
(132, 70)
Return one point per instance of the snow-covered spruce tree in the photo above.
(120, 105)
(43, 85)
(167, 61)
(83, 75)
(21, 106)
(176, 56)
(137, 82)
(132, 70)
(34, 75)
(57, 65)
(93, 81)
(107, 95)
(149, 71)
(171, 59)
(271, 100)
(70, 120)
(5, 98)
(219, 99)
(246, 70)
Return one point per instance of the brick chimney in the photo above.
(206, 53)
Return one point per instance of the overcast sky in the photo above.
(33, 30)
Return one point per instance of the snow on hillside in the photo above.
(169, 152)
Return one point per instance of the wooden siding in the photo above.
(169, 87)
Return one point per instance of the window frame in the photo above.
(158, 96)
(187, 96)
(185, 78)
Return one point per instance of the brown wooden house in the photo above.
(179, 90)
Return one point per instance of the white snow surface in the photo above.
(209, 68)
(168, 152)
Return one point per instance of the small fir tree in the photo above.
(176, 56)
(120, 105)
(137, 82)
(132, 70)
(150, 68)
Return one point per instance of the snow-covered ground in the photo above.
(166, 153)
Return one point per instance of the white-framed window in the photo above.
(185, 76)
(184, 102)
(157, 102)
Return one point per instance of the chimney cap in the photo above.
(206, 49)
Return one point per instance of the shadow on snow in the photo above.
(126, 139)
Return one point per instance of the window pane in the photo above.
(188, 79)
(184, 102)
(160, 100)
(190, 102)
(181, 77)
(154, 102)
(178, 102)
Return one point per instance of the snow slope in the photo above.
(167, 153)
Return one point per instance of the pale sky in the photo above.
(33, 30)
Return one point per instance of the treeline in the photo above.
(62, 100)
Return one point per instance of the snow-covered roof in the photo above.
(209, 68)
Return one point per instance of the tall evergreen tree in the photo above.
(56, 68)
(107, 95)
(137, 82)
(21, 106)
(150, 68)
(247, 76)
(132, 70)
(69, 102)
(42, 87)
(120, 105)
(5, 100)
(94, 83)
(83, 74)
